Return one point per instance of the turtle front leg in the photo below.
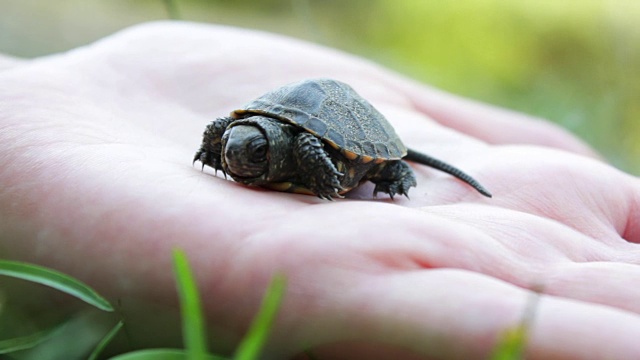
(316, 171)
(211, 147)
(392, 177)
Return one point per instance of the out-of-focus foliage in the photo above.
(576, 63)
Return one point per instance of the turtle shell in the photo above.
(334, 112)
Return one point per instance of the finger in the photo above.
(468, 308)
(612, 283)
(489, 123)
(451, 314)
(529, 252)
(589, 196)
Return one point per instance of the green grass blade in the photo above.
(26, 342)
(255, 339)
(54, 279)
(106, 340)
(193, 327)
(512, 342)
(153, 354)
(160, 354)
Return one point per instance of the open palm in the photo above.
(96, 180)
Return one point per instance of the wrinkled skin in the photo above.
(96, 181)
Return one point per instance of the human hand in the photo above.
(96, 181)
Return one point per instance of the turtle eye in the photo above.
(258, 150)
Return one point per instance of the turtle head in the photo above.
(253, 147)
(245, 152)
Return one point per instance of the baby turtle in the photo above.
(316, 137)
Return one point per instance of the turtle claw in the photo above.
(331, 195)
(223, 173)
(210, 159)
(400, 187)
(384, 187)
(197, 157)
(201, 156)
(336, 194)
(327, 187)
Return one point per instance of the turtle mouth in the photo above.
(247, 180)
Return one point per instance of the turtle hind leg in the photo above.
(392, 177)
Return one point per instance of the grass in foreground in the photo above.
(193, 320)
(510, 345)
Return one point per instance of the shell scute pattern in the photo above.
(335, 113)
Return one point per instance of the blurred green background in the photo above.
(574, 62)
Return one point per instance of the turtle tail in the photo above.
(449, 169)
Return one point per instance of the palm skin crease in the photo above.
(96, 181)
